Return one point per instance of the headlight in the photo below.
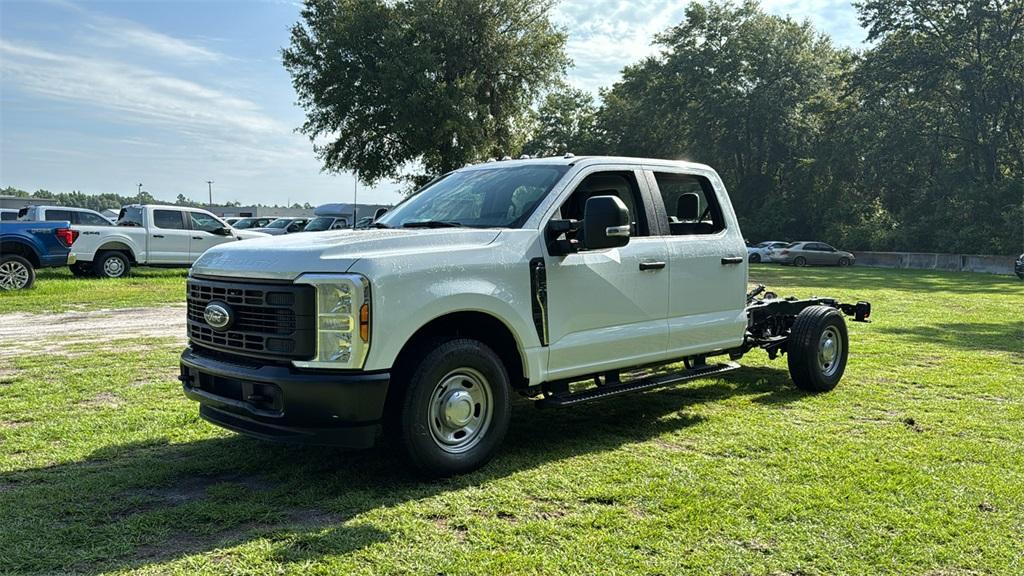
(342, 320)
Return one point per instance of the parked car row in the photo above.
(802, 253)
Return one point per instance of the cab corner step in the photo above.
(656, 381)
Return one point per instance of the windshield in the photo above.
(485, 198)
(318, 224)
(244, 223)
(279, 223)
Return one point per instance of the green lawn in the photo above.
(56, 290)
(913, 465)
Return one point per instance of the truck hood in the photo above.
(287, 257)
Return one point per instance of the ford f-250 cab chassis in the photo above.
(561, 279)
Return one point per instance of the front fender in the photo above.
(395, 323)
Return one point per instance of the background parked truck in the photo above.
(150, 235)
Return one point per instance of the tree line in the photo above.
(913, 143)
(108, 201)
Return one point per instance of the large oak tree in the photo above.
(435, 83)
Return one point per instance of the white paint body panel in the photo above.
(603, 312)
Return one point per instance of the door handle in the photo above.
(651, 265)
(732, 260)
(158, 235)
(197, 237)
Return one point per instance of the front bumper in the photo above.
(285, 404)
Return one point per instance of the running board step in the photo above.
(598, 392)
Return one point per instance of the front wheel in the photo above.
(818, 348)
(16, 273)
(755, 258)
(111, 264)
(844, 262)
(456, 409)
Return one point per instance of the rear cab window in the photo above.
(691, 203)
(169, 219)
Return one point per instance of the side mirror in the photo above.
(605, 223)
(223, 231)
(378, 213)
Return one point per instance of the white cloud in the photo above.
(132, 92)
(127, 35)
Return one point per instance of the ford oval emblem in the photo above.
(217, 315)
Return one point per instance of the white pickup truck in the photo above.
(520, 276)
(150, 235)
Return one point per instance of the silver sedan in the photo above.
(812, 254)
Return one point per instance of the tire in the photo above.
(111, 264)
(755, 258)
(817, 349)
(469, 379)
(844, 262)
(800, 261)
(82, 269)
(16, 273)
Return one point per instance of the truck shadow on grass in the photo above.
(133, 505)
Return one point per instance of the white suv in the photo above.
(507, 277)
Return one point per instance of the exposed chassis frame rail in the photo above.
(769, 320)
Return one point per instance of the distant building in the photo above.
(258, 211)
(17, 202)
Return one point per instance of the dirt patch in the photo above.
(22, 334)
(102, 400)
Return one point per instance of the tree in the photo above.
(565, 122)
(745, 92)
(389, 83)
(943, 93)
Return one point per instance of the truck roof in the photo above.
(569, 159)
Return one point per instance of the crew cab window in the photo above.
(57, 215)
(89, 219)
(620, 184)
(691, 204)
(169, 220)
(204, 222)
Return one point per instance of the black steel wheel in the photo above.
(456, 409)
(817, 349)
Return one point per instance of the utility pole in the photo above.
(209, 188)
(140, 189)
(355, 199)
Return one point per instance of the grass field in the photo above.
(913, 465)
(56, 290)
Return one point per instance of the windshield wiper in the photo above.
(431, 224)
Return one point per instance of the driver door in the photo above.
(608, 308)
(204, 233)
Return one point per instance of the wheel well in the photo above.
(118, 247)
(475, 325)
(21, 250)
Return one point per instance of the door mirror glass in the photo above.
(605, 223)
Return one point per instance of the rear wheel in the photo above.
(456, 409)
(111, 264)
(817, 348)
(800, 261)
(755, 258)
(16, 273)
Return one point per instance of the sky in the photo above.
(102, 96)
